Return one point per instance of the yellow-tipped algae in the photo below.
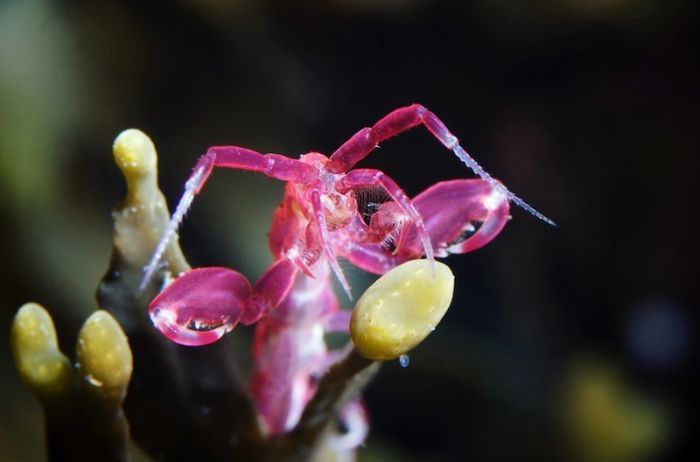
(400, 309)
(104, 359)
(135, 155)
(38, 359)
(140, 220)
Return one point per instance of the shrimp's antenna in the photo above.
(402, 120)
(183, 206)
(474, 166)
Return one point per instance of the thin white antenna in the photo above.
(470, 162)
(183, 206)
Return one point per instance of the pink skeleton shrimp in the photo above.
(320, 219)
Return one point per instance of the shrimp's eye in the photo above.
(369, 200)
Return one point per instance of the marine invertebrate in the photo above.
(320, 220)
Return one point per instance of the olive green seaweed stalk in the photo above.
(186, 403)
(82, 404)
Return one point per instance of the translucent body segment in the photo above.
(400, 309)
(275, 166)
(103, 355)
(38, 359)
(289, 351)
(237, 157)
(367, 139)
(286, 169)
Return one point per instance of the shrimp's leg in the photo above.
(404, 119)
(273, 165)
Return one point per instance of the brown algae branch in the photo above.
(82, 405)
(142, 217)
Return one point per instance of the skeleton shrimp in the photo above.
(320, 220)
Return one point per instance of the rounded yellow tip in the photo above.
(103, 354)
(39, 362)
(401, 308)
(134, 153)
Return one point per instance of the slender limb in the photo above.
(326, 242)
(272, 165)
(404, 119)
(368, 177)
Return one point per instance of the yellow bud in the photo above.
(40, 363)
(141, 218)
(400, 309)
(103, 355)
(134, 153)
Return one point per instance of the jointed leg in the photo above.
(326, 242)
(401, 120)
(272, 165)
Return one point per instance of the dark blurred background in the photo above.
(569, 343)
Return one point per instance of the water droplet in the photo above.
(404, 360)
(204, 325)
(194, 331)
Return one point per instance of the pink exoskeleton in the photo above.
(322, 218)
